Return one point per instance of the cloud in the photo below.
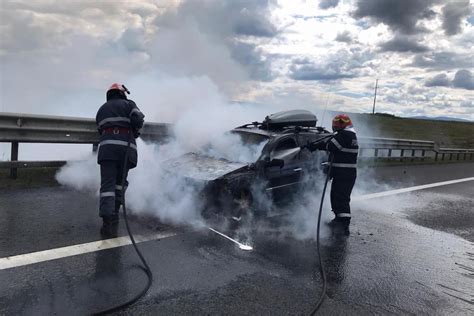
(469, 104)
(54, 47)
(224, 18)
(403, 44)
(442, 60)
(463, 79)
(344, 37)
(440, 80)
(251, 58)
(133, 39)
(227, 24)
(342, 64)
(400, 15)
(326, 4)
(453, 13)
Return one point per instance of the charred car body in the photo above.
(232, 188)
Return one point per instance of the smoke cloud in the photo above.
(201, 116)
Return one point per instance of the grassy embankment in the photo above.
(447, 134)
(444, 133)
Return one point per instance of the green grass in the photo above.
(444, 133)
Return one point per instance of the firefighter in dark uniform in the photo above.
(345, 148)
(118, 121)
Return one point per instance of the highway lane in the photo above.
(407, 253)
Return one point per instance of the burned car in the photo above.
(233, 188)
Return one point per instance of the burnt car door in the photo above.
(283, 179)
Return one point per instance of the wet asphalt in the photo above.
(407, 254)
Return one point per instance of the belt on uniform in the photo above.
(116, 130)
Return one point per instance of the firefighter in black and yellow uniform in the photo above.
(345, 149)
(118, 121)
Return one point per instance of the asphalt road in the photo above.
(408, 253)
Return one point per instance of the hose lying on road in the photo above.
(145, 267)
(321, 266)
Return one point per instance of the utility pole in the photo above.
(375, 95)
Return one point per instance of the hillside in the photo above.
(444, 133)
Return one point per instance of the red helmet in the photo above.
(341, 121)
(117, 86)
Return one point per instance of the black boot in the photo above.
(340, 225)
(109, 226)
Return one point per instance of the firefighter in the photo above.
(345, 148)
(118, 121)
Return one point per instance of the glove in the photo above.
(317, 146)
(136, 133)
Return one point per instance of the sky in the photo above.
(59, 57)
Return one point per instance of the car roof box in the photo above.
(282, 119)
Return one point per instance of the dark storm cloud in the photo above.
(440, 80)
(400, 15)
(344, 37)
(442, 60)
(453, 14)
(403, 44)
(463, 79)
(343, 64)
(326, 4)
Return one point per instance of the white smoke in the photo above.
(201, 119)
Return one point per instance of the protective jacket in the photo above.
(345, 148)
(116, 120)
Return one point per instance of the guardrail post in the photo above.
(14, 157)
(436, 156)
(412, 155)
(390, 152)
(376, 152)
(423, 155)
(457, 156)
(451, 156)
(401, 155)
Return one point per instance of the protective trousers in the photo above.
(341, 190)
(111, 190)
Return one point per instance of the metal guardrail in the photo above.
(18, 128)
(27, 128)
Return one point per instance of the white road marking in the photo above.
(410, 189)
(241, 246)
(74, 250)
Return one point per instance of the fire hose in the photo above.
(318, 246)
